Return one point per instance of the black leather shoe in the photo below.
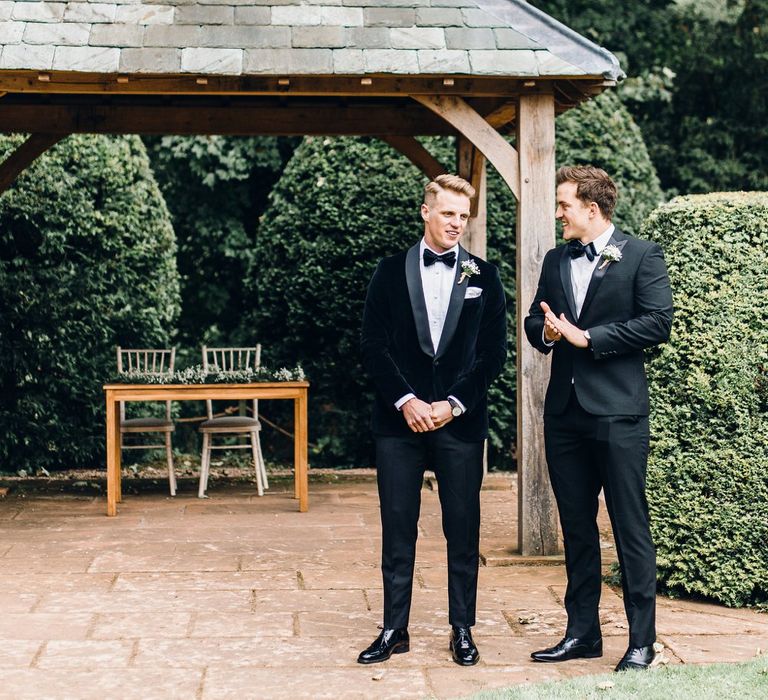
(571, 648)
(463, 649)
(390, 641)
(638, 658)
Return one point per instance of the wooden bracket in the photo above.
(489, 142)
(24, 156)
(416, 153)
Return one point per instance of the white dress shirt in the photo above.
(437, 283)
(583, 268)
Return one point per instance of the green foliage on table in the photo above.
(340, 206)
(216, 188)
(708, 469)
(87, 261)
(196, 374)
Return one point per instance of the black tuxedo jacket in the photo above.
(397, 347)
(628, 307)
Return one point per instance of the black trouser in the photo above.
(458, 466)
(586, 453)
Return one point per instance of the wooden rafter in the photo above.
(416, 153)
(469, 123)
(25, 155)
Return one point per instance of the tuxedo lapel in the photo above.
(455, 305)
(619, 241)
(565, 278)
(416, 294)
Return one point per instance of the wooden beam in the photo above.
(503, 115)
(416, 153)
(537, 512)
(71, 82)
(25, 155)
(137, 118)
(469, 123)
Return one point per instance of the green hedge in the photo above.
(87, 261)
(340, 206)
(708, 469)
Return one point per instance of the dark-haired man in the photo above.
(602, 300)
(433, 339)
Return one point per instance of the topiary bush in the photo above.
(87, 262)
(708, 467)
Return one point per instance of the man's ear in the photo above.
(425, 212)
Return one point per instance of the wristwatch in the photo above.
(589, 339)
(455, 408)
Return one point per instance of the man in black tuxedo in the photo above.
(602, 300)
(433, 339)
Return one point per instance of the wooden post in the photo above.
(471, 166)
(537, 512)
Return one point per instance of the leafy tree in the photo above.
(216, 188)
(87, 262)
(697, 85)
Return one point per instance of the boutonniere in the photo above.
(469, 269)
(609, 254)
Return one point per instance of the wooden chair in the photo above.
(149, 361)
(232, 360)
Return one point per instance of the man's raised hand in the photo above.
(551, 331)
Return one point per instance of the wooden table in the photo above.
(298, 391)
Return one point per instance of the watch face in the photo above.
(456, 411)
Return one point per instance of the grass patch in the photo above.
(711, 682)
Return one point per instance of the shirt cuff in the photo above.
(548, 343)
(399, 403)
(461, 405)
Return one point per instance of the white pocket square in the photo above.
(473, 292)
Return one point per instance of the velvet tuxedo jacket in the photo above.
(397, 348)
(627, 308)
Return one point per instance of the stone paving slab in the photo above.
(240, 596)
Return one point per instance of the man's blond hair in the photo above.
(454, 183)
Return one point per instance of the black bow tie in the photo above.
(576, 250)
(431, 258)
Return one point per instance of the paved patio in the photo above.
(240, 596)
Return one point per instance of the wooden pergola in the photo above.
(480, 70)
